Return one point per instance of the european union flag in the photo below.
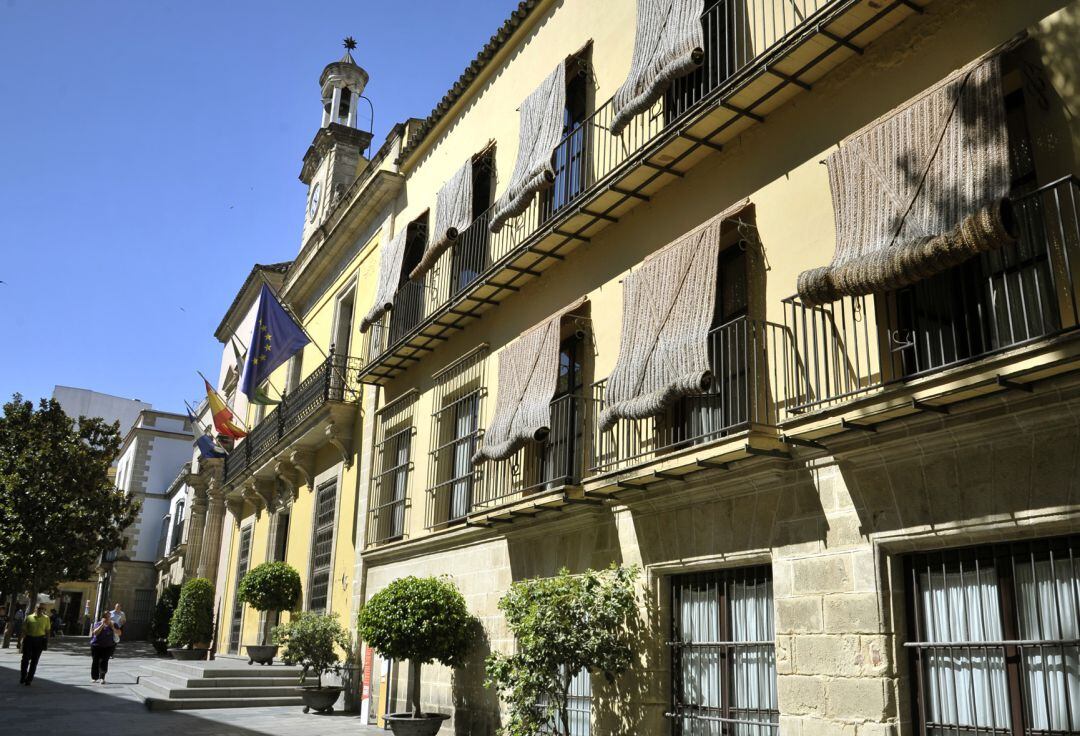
(277, 338)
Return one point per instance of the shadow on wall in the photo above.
(593, 543)
(1055, 90)
(476, 708)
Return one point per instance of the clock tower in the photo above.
(336, 155)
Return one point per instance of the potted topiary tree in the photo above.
(423, 620)
(269, 588)
(192, 625)
(312, 640)
(163, 611)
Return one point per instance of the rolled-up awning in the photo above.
(668, 43)
(920, 190)
(668, 307)
(541, 125)
(528, 375)
(391, 257)
(453, 214)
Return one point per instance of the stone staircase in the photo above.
(222, 683)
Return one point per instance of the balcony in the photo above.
(734, 415)
(319, 411)
(953, 336)
(759, 55)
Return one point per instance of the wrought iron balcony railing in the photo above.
(599, 176)
(1000, 300)
(334, 380)
(739, 398)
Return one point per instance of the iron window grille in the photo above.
(453, 480)
(723, 654)
(143, 611)
(995, 638)
(322, 546)
(243, 559)
(578, 707)
(390, 471)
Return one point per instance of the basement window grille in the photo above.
(724, 654)
(995, 638)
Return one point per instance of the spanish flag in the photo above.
(223, 416)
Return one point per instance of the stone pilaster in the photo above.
(215, 519)
(196, 528)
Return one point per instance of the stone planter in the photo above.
(321, 699)
(189, 655)
(403, 724)
(261, 653)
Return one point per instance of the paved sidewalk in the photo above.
(63, 700)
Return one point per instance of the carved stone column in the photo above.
(197, 525)
(215, 521)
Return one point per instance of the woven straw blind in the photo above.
(391, 256)
(528, 376)
(667, 312)
(920, 190)
(453, 215)
(540, 130)
(668, 43)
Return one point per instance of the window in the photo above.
(560, 455)
(578, 706)
(296, 367)
(998, 299)
(995, 638)
(459, 394)
(243, 559)
(322, 546)
(725, 405)
(409, 301)
(723, 654)
(390, 470)
(163, 536)
(469, 256)
(178, 526)
(725, 53)
(570, 155)
(281, 536)
(343, 319)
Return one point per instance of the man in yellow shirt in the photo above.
(35, 639)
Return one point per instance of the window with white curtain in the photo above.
(578, 707)
(724, 654)
(995, 638)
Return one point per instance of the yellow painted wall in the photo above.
(775, 164)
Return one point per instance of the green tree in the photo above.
(193, 620)
(270, 587)
(163, 612)
(562, 625)
(423, 620)
(311, 640)
(58, 508)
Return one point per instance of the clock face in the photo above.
(313, 202)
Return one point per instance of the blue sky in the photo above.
(149, 154)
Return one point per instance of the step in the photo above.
(166, 690)
(179, 679)
(155, 702)
(232, 668)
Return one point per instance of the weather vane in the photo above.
(350, 43)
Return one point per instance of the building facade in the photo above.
(780, 309)
(152, 455)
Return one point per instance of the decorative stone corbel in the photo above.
(303, 463)
(235, 505)
(251, 495)
(287, 474)
(340, 441)
(266, 491)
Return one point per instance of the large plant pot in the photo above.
(261, 653)
(403, 724)
(161, 646)
(189, 655)
(321, 699)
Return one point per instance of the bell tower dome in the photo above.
(336, 156)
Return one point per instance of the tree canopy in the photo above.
(59, 509)
(562, 625)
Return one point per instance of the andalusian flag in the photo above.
(223, 416)
(261, 397)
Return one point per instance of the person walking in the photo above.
(35, 641)
(102, 647)
(119, 619)
(17, 625)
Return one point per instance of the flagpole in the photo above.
(223, 401)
